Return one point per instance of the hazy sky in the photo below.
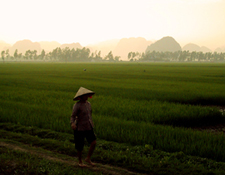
(89, 21)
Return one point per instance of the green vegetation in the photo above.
(177, 56)
(15, 162)
(18, 162)
(143, 159)
(84, 55)
(59, 54)
(151, 106)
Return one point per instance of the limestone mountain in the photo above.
(127, 45)
(165, 44)
(48, 46)
(24, 45)
(220, 49)
(4, 45)
(205, 49)
(191, 47)
(194, 47)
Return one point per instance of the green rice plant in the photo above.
(156, 111)
(180, 83)
(127, 104)
(170, 139)
(137, 158)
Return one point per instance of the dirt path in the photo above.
(219, 128)
(104, 169)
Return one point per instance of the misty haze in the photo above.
(112, 87)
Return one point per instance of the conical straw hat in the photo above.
(82, 91)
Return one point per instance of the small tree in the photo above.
(55, 53)
(27, 54)
(66, 54)
(20, 56)
(3, 56)
(42, 56)
(109, 56)
(84, 54)
(96, 56)
(7, 54)
(16, 54)
(117, 58)
(134, 56)
(34, 54)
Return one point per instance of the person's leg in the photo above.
(79, 154)
(79, 144)
(91, 138)
(90, 152)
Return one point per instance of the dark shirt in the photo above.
(83, 111)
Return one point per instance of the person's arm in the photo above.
(74, 117)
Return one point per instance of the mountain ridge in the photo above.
(119, 47)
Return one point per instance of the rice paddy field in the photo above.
(154, 105)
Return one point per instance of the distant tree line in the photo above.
(59, 54)
(84, 55)
(176, 56)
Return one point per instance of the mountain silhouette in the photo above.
(165, 44)
(220, 49)
(194, 47)
(119, 47)
(4, 45)
(127, 45)
(191, 47)
(24, 45)
(205, 49)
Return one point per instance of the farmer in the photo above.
(82, 124)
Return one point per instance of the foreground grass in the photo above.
(137, 158)
(18, 162)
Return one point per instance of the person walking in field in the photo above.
(82, 124)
